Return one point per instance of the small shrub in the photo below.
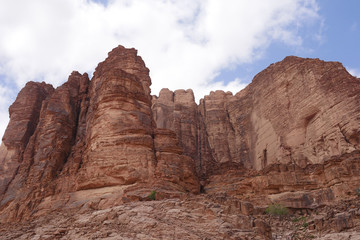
(298, 219)
(277, 210)
(358, 191)
(152, 195)
(300, 228)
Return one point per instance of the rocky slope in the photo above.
(90, 152)
(204, 216)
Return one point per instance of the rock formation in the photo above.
(300, 111)
(88, 135)
(291, 137)
(24, 118)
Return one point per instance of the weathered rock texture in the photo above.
(89, 135)
(300, 111)
(24, 113)
(178, 111)
(200, 217)
(291, 137)
(192, 218)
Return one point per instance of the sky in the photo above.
(204, 45)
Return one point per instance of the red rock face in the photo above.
(304, 111)
(48, 148)
(300, 111)
(172, 166)
(290, 137)
(178, 111)
(24, 118)
(122, 145)
(128, 61)
(86, 136)
(297, 125)
(119, 132)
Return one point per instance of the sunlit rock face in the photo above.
(300, 111)
(304, 111)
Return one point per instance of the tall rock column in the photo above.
(123, 145)
(89, 135)
(47, 149)
(178, 112)
(205, 132)
(24, 118)
(119, 130)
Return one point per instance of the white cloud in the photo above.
(5, 101)
(184, 43)
(354, 27)
(354, 72)
(232, 86)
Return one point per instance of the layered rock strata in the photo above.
(24, 117)
(300, 111)
(88, 135)
(291, 137)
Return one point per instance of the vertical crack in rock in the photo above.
(343, 134)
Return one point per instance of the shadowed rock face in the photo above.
(47, 148)
(290, 137)
(24, 118)
(178, 111)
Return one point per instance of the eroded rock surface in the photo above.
(300, 111)
(200, 217)
(88, 135)
(178, 112)
(24, 117)
(189, 218)
(90, 154)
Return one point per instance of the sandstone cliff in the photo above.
(300, 111)
(297, 124)
(96, 135)
(292, 137)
